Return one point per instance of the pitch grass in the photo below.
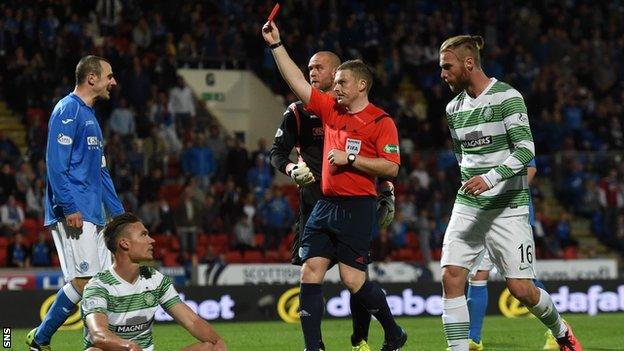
(603, 332)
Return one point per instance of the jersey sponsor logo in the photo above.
(476, 139)
(318, 131)
(89, 122)
(288, 304)
(92, 141)
(279, 132)
(65, 121)
(132, 328)
(64, 139)
(391, 149)
(353, 146)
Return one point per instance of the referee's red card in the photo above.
(274, 12)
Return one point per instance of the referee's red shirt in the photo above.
(365, 133)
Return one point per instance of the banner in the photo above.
(283, 273)
(578, 269)
(54, 280)
(22, 309)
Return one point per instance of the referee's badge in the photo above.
(353, 146)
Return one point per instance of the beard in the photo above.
(462, 82)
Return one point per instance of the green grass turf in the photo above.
(603, 332)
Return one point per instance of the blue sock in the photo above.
(477, 305)
(361, 321)
(374, 300)
(539, 284)
(311, 311)
(66, 299)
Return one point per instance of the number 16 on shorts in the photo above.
(6, 337)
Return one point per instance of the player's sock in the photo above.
(539, 284)
(361, 321)
(310, 312)
(66, 299)
(546, 311)
(456, 323)
(374, 300)
(477, 305)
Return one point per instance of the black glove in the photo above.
(385, 207)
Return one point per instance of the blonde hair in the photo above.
(465, 46)
(360, 71)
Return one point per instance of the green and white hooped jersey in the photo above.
(492, 137)
(130, 308)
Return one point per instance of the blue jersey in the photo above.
(531, 209)
(78, 180)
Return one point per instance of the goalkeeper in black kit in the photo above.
(304, 132)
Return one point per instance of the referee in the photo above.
(360, 144)
(304, 131)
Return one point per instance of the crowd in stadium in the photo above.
(207, 195)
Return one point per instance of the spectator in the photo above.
(41, 252)
(182, 105)
(9, 153)
(382, 247)
(277, 217)
(243, 235)
(164, 118)
(187, 218)
(122, 120)
(34, 199)
(259, 177)
(142, 34)
(18, 252)
(219, 150)
(199, 162)
(237, 162)
(211, 222)
(11, 216)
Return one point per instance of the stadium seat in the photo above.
(4, 242)
(233, 256)
(220, 240)
(170, 259)
(273, 256)
(3, 257)
(412, 240)
(259, 239)
(570, 253)
(203, 240)
(171, 193)
(253, 256)
(31, 227)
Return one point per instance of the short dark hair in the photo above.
(116, 227)
(360, 71)
(87, 65)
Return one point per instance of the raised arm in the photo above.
(289, 70)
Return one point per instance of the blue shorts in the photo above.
(341, 228)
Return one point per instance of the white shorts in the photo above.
(81, 255)
(508, 240)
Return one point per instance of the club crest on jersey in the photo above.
(83, 266)
(476, 139)
(488, 113)
(353, 146)
(149, 298)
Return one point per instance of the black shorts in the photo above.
(341, 228)
(308, 196)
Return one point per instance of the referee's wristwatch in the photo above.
(351, 159)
